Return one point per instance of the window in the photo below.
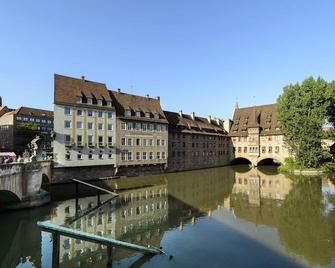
(138, 156)
(79, 99)
(25, 118)
(68, 155)
(130, 156)
(67, 140)
(90, 125)
(79, 112)
(31, 119)
(123, 156)
(99, 101)
(79, 140)
(110, 154)
(239, 149)
(147, 115)
(129, 126)
(163, 142)
(270, 149)
(158, 155)
(138, 114)
(101, 140)
(164, 155)
(79, 156)
(89, 100)
(138, 142)
(277, 149)
(90, 140)
(128, 112)
(144, 127)
(67, 124)
(129, 142)
(89, 113)
(100, 126)
(110, 127)
(145, 142)
(109, 103)
(151, 142)
(123, 141)
(158, 127)
(123, 126)
(100, 155)
(67, 110)
(164, 127)
(19, 118)
(90, 155)
(100, 114)
(151, 156)
(245, 150)
(110, 115)
(158, 142)
(263, 150)
(156, 115)
(110, 141)
(151, 127)
(144, 155)
(138, 126)
(79, 124)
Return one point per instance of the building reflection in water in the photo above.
(296, 216)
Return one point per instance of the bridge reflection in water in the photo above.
(178, 209)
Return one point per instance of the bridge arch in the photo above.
(7, 196)
(268, 161)
(240, 161)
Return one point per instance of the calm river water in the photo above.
(221, 217)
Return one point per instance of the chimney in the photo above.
(0, 101)
(83, 78)
(209, 118)
(193, 116)
(119, 90)
(218, 121)
(180, 113)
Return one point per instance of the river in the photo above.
(221, 217)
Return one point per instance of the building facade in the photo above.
(196, 142)
(84, 123)
(142, 134)
(19, 127)
(255, 135)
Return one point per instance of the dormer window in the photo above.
(99, 101)
(147, 115)
(156, 115)
(79, 99)
(128, 112)
(138, 113)
(89, 100)
(109, 103)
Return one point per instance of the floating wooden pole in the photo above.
(109, 242)
(95, 187)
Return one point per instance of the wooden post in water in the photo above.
(99, 201)
(55, 249)
(109, 256)
(77, 198)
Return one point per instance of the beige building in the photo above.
(196, 142)
(255, 135)
(84, 123)
(142, 134)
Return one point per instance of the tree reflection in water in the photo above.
(306, 227)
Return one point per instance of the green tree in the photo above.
(303, 110)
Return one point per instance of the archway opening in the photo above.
(7, 197)
(240, 161)
(268, 162)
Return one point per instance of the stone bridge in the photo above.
(256, 160)
(22, 181)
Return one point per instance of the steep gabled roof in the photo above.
(199, 124)
(263, 117)
(124, 101)
(67, 89)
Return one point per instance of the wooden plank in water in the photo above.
(95, 187)
(65, 231)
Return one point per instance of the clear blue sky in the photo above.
(197, 55)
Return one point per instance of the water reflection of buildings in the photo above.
(257, 196)
(136, 216)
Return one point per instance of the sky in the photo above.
(199, 56)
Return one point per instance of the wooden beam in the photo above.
(95, 187)
(109, 242)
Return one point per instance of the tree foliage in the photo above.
(303, 110)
